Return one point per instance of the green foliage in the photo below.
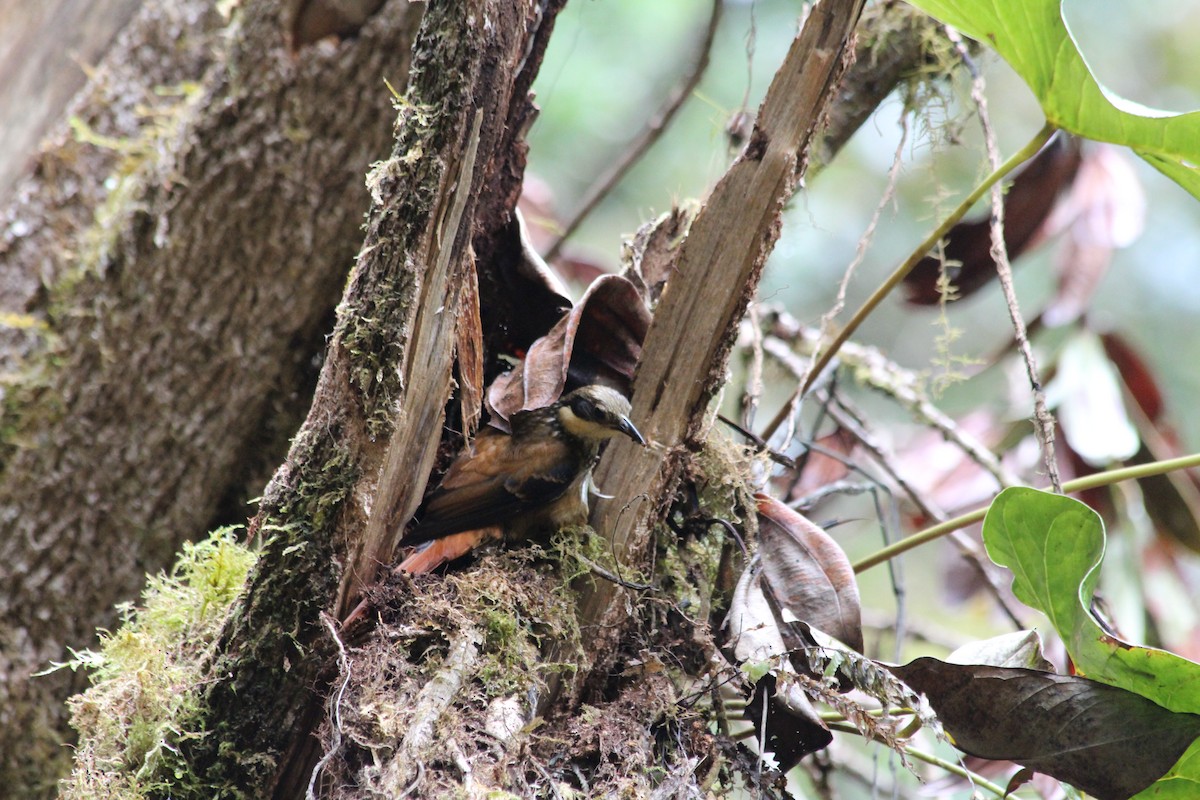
(146, 674)
(1054, 545)
(1034, 39)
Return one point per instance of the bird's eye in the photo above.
(585, 409)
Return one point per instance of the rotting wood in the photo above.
(717, 272)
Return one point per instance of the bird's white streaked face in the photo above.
(597, 413)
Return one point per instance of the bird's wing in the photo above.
(500, 477)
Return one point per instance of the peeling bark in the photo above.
(684, 358)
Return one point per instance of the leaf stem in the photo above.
(930, 758)
(1015, 160)
(1105, 478)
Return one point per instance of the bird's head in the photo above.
(595, 413)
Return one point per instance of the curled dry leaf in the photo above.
(792, 727)
(599, 341)
(808, 573)
(650, 257)
(1027, 206)
(1107, 741)
(1016, 649)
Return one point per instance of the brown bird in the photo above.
(536, 479)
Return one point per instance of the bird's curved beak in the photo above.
(626, 427)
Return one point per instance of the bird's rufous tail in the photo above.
(447, 548)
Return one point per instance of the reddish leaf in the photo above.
(1135, 374)
(818, 467)
(1107, 741)
(1106, 206)
(968, 250)
(807, 573)
(1172, 500)
(599, 341)
(1104, 210)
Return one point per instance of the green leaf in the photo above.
(1033, 38)
(1182, 782)
(1054, 545)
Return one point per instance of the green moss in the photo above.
(521, 611)
(266, 651)
(146, 674)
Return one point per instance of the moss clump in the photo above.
(145, 675)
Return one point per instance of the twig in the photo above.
(645, 140)
(1043, 421)
(967, 547)
(928, 758)
(608, 576)
(873, 369)
(335, 707)
(754, 372)
(869, 305)
(844, 415)
(1078, 485)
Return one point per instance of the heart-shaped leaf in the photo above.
(1054, 545)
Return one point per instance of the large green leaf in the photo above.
(1034, 39)
(1054, 545)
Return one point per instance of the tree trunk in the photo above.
(356, 470)
(176, 260)
(44, 48)
(211, 281)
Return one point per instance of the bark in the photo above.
(44, 50)
(174, 262)
(715, 275)
(357, 467)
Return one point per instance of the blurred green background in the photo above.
(612, 61)
(610, 64)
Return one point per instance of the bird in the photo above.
(535, 479)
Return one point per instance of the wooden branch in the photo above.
(719, 265)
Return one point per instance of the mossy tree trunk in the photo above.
(170, 264)
(333, 513)
(439, 698)
(165, 360)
